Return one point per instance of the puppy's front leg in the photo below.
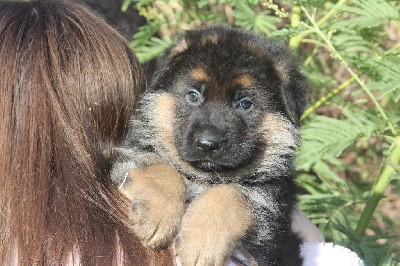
(212, 226)
(157, 195)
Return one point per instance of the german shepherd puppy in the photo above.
(209, 160)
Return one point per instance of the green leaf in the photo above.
(326, 174)
(368, 13)
(349, 42)
(389, 67)
(125, 5)
(325, 138)
(151, 49)
(202, 3)
(145, 33)
(247, 18)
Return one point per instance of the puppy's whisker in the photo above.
(163, 155)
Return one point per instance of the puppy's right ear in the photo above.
(294, 95)
(294, 85)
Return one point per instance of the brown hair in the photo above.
(68, 85)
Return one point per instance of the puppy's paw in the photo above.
(212, 226)
(157, 196)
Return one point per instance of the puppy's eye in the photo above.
(194, 97)
(244, 104)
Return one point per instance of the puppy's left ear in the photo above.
(165, 64)
(294, 93)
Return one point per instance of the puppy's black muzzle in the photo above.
(208, 139)
(213, 138)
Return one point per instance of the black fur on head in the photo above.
(237, 51)
(235, 101)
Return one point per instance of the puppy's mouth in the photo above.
(209, 166)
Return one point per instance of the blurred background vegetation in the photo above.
(348, 165)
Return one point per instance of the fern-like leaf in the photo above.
(369, 13)
(349, 43)
(389, 67)
(151, 48)
(145, 33)
(325, 138)
(247, 18)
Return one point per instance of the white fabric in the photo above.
(304, 228)
(327, 254)
(314, 254)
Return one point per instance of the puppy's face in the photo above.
(219, 115)
(230, 101)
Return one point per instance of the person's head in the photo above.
(69, 84)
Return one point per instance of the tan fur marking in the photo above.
(281, 71)
(157, 196)
(272, 125)
(213, 38)
(281, 137)
(244, 81)
(279, 131)
(254, 48)
(164, 122)
(212, 226)
(200, 74)
(278, 123)
(179, 47)
(280, 66)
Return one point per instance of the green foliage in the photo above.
(325, 138)
(388, 82)
(350, 149)
(166, 18)
(151, 48)
(246, 17)
(368, 13)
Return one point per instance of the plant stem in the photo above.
(335, 54)
(125, 5)
(379, 188)
(326, 98)
(382, 182)
(331, 12)
(295, 41)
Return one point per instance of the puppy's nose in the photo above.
(208, 141)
